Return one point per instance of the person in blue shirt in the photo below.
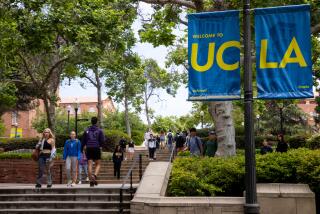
(71, 155)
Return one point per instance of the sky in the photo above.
(168, 106)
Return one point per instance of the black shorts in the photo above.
(93, 153)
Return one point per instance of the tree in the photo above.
(42, 40)
(157, 78)
(158, 30)
(125, 83)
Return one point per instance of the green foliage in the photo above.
(297, 141)
(314, 142)
(184, 154)
(137, 137)
(7, 97)
(15, 156)
(112, 138)
(2, 128)
(221, 176)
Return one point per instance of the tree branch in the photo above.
(184, 3)
(91, 81)
(28, 70)
(53, 68)
(183, 22)
(315, 29)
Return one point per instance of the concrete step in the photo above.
(62, 205)
(63, 211)
(79, 189)
(64, 197)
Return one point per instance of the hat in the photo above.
(212, 133)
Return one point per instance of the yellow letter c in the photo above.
(221, 63)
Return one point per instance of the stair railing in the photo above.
(137, 160)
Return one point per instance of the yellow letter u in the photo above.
(194, 58)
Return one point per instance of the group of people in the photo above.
(77, 155)
(184, 141)
(282, 146)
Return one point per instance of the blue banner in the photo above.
(283, 45)
(214, 55)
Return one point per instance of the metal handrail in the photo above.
(172, 153)
(133, 165)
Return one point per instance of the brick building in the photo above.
(19, 123)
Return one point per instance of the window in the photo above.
(92, 110)
(14, 118)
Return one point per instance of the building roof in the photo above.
(69, 100)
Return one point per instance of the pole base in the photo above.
(251, 209)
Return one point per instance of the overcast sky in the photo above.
(169, 106)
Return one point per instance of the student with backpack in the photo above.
(117, 158)
(93, 139)
(71, 155)
(194, 143)
(169, 140)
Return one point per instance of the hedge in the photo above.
(225, 177)
(137, 137)
(112, 138)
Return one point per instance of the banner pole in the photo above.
(251, 205)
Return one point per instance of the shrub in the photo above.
(137, 137)
(240, 142)
(313, 142)
(112, 138)
(15, 156)
(297, 141)
(221, 176)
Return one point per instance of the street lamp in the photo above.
(68, 110)
(76, 108)
(202, 115)
(258, 120)
(281, 117)
(16, 130)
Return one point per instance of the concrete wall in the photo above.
(273, 198)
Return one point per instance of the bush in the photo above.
(297, 141)
(221, 176)
(137, 137)
(112, 138)
(15, 156)
(313, 142)
(240, 142)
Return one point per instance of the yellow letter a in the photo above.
(194, 58)
(299, 57)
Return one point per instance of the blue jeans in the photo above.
(44, 166)
(83, 168)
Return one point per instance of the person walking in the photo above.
(83, 167)
(282, 145)
(195, 145)
(117, 158)
(169, 140)
(180, 142)
(162, 140)
(47, 153)
(123, 146)
(130, 149)
(71, 156)
(266, 148)
(93, 139)
(211, 146)
(152, 147)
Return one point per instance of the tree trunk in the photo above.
(147, 108)
(50, 108)
(99, 105)
(221, 112)
(127, 119)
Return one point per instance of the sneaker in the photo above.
(38, 185)
(87, 179)
(91, 184)
(73, 184)
(80, 182)
(49, 185)
(94, 179)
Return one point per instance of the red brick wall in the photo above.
(25, 171)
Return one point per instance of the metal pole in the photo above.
(60, 167)
(140, 167)
(121, 200)
(251, 205)
(76, 121)
(131, 188)
(202, 122)
(68, 121)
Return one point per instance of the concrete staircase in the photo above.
(60, 199)
(104, 198)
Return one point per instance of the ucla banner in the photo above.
(214, 56)
(283, 52)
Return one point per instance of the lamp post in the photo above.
(68, 110)
(281, 117)
(76, 108)
(16, 130)
(251, 204)
(202, 115)
(258, 120)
